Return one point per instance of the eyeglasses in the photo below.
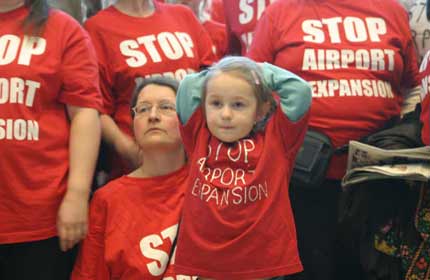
(144, 109)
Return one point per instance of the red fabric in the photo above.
(237, 221)
(425, 99)
(219, 37)
(216, 11)
(241, 20)
(160, 52)
(425, 119)
(353, 108)
(36, 82)
(133, 224)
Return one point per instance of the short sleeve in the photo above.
(79, 72)
(105, 73)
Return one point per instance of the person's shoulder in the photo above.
(394, 3)
(63, 26)
(111, 190)
(57, 17)
(175, 9)
(395, 11)
(283, 4)
(386, 7)
(99, 20)
(283, 8)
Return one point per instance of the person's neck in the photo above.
(159, 163)
(136, 8)
(10, 5)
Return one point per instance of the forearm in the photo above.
(111, 133)
(115, 137)
(84, 145)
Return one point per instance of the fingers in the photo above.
(71, 234)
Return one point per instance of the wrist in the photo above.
(77, 192)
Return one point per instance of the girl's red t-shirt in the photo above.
(237, 220)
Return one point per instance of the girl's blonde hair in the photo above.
(245, 69)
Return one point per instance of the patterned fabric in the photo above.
(415, 259)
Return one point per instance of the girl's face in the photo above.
(155, 123)
(230, 107)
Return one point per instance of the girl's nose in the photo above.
(226, 112)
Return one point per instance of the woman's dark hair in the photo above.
(37, 17)
(160, 81)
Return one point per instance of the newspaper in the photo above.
(367, 162)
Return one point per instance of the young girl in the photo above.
(237, 221)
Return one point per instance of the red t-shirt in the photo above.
(39, 76)
(215, 9)
(237, 221)
(241, 20)
(219, 37)
(357, 55)
(132, 227)
(425, 99)
(170, 42)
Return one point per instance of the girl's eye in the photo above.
(215, 103)
(238, 105)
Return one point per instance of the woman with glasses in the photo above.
(134, 219)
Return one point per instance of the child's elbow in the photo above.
(304, 97)
(307, 95)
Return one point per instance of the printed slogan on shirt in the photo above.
(18, 91)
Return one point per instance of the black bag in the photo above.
(312, 160)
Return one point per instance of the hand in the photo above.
(72, 219)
